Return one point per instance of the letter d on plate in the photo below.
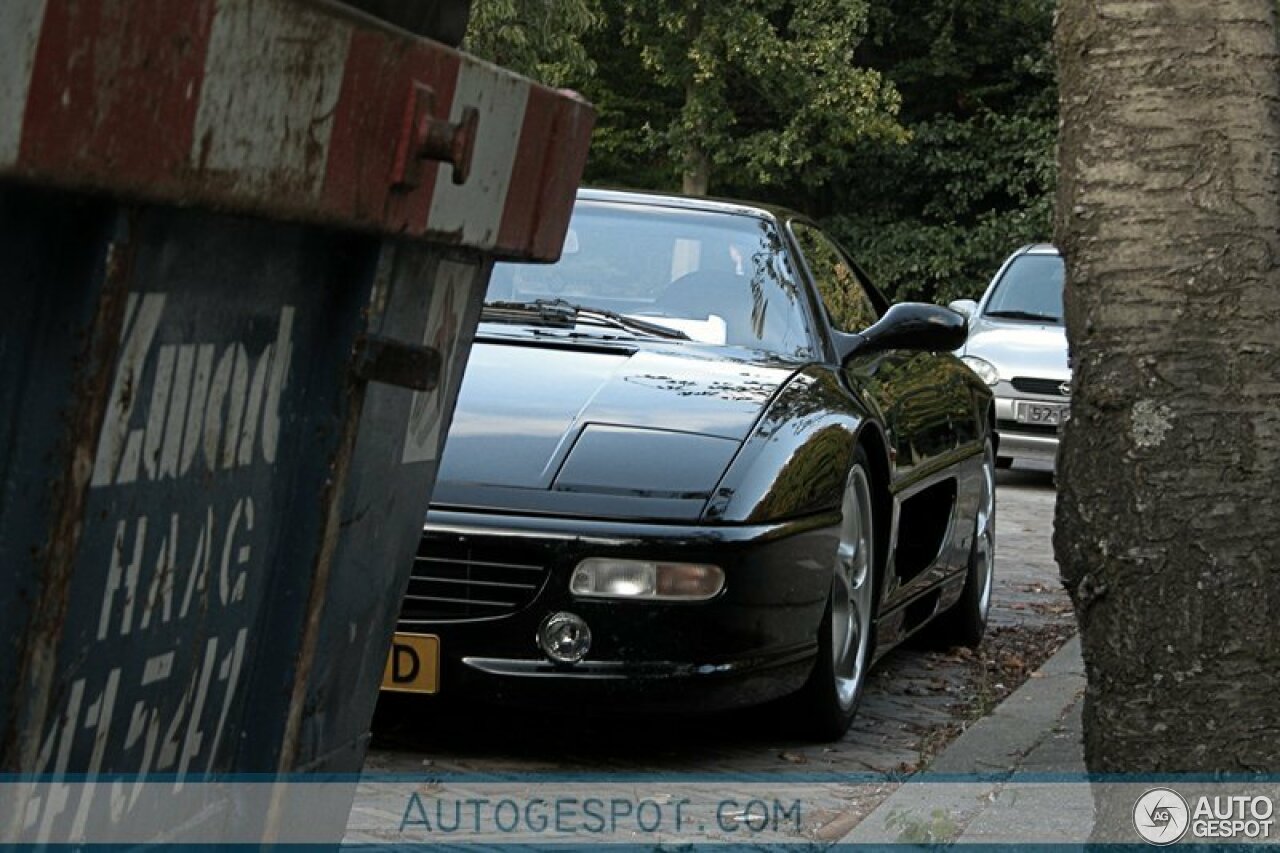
(413, 666)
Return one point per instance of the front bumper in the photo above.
(1019, 440)
(753, 642)
(1019, 445)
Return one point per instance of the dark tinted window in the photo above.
(1030, 289)
(720, 278)
(848, 305)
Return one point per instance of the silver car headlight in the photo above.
(600, 577)
(986, 370)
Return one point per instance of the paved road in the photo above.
(915, 702)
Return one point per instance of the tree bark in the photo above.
(1168, 516)
(697, 163)
(697, 172)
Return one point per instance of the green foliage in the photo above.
(933, 219)
(539, 38)
(959, 57)
(777, 101)
(936, 262)
(767, 90)
(631, 104)
(966, 194)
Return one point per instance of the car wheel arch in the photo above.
(829, 420)
(828, 701)
(872, 440)
(991, 426)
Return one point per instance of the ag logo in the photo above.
(1161, 816)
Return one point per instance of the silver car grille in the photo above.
(1030, 385)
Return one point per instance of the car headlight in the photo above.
(645, 580)
(986, 370)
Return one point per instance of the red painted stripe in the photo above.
(114, 96)
(376, 90)
(114, 89)
(524, 194)
(548, 167)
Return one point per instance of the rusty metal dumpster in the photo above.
(245, 244)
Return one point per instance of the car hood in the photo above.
(589, 429)
(1023, 349)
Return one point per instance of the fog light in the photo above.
(564, 637)
(600, 577)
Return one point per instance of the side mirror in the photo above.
(916, 326)
(967, 307)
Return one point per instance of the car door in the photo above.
(924, 402)
(912, 391)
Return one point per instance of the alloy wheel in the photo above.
(852, 590)
(985, 534)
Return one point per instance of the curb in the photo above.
(1001, 740)
(1036, 729)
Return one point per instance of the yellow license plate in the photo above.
(413, 666)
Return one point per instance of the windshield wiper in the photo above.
(564, 314)
(631, 324)
(1025, 315)
(543, 311)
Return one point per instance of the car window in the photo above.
(848, 305)
(1030, 289)
(720, 278)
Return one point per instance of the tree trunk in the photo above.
(1168, 516)
(697, 163)
(697, 171)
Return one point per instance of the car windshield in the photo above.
(715, 278)
(1030, 289)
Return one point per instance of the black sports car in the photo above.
(700, 462)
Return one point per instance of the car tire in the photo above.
(965, 622)
(829, 699)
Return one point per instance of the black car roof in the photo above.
(685, 202)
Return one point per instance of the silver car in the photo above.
(1018, 346)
